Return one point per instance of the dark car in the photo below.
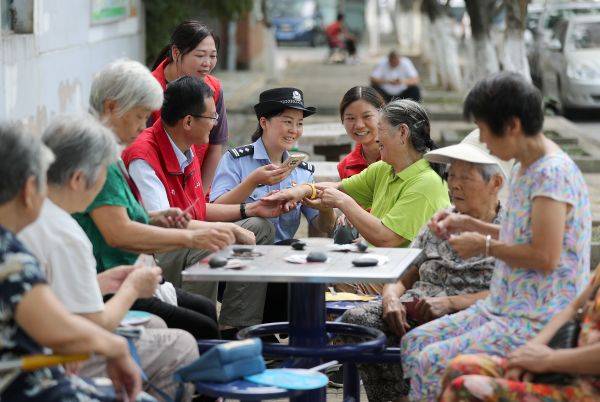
(297, 21)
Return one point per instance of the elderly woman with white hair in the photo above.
(123, 95)
(31, 316)
(83, 148)
(439, 282)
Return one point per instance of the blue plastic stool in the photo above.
(244, 391)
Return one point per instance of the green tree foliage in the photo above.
(162, 16)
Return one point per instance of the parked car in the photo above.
(570, 64)
(297, 21)
(552, 13)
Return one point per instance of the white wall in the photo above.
(49, 72)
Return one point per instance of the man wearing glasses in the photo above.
(166, 173)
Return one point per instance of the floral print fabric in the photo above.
(471, 378)
(19, 273)
(521, 300)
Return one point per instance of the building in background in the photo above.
(50, 50)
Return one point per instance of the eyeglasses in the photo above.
(214, 118)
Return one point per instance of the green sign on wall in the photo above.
(105, 11)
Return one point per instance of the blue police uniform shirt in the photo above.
(238, 163)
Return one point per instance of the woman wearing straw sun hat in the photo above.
(439, 282)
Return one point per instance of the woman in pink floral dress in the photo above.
(491, 378)
(542, 248)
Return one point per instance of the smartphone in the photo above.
(294, 160)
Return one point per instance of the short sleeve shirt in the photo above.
(116, 192)
(404, 201)
(404, 70)
(232, 170)
(66, 255)
(531, 293)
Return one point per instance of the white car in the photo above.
(570, 64)
(542, 25)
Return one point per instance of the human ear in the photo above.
(30, 190)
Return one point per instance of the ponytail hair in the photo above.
(411, 113)
(185, 37)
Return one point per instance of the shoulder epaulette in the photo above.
(244, 150)
(308, 166)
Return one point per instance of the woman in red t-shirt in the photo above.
(193, 51)
(359, 111)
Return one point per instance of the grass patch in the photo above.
(595, 233)
(573, 150)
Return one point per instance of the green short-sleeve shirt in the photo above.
(116, 192)
(404, 201)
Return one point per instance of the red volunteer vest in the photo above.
(353, 163)
(212, 81)
(183, 189)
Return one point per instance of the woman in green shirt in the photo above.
(402, 191)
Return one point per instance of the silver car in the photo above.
(570, 64)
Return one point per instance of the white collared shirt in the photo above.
(152, 191)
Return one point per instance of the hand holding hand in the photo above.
(468, 244)
(317, 204)
(332, 198)
(293, 194)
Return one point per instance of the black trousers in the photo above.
(412, 92)
(194, 313)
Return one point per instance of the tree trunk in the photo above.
(445, 46)
(514, 54)
(270, 47)
(484, 60)
(372, 20)
(231, 45)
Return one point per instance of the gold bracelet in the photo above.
(313, 189)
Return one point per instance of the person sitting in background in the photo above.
(542, 245)
(396, 77)
(359, 112)
(123, 95)
(83, 148)
(439, 281)
(339, 38)
(402, 191)
(33, 319)
(471, 378)
(165, 170)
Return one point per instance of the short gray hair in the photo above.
(80, 143)
(488, 171)
(129, 83)
(22, 155)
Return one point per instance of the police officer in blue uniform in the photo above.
(250, 172)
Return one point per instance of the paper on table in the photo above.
(345, 296)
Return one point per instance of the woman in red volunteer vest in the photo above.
(193, 51)
(359, 111)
